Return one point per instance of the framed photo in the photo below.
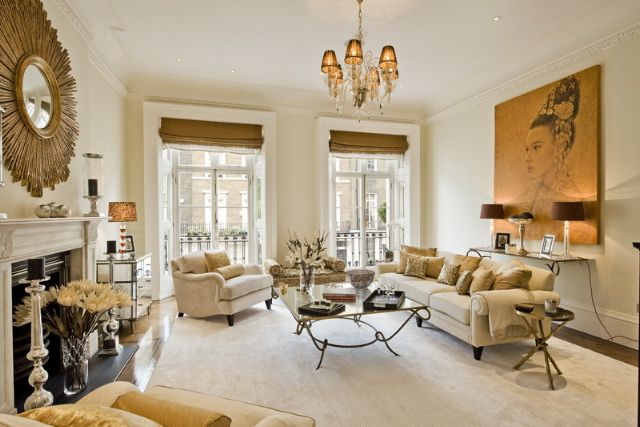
(129, 247)
(547, 244)
(502, 240)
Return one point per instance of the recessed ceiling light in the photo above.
(179, 59)
(232, 70)
(497, 18)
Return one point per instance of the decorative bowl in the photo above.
(360, 278)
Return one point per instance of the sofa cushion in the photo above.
(453, 304)
(169, 413)
(513, 274)
(416, 266)
(230, 271)
(464, 282)
(482, 280)
(418, 289)
(467, 263)
(449, 274)
(192, 263)
(243, 285)
(434, 267)
(216, 260)
(406, 250)
(81, 415)
(7, 420)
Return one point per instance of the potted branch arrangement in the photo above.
(306, 256)
(72, 312)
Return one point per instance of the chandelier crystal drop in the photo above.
(362, 75)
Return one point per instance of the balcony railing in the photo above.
(349, 246)
(195, 237)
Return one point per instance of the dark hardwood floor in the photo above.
(151, 334)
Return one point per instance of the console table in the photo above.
(553, 261)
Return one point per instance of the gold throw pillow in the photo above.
(216, 259)
(416, 266)
(434, 266)
(449, 274)
(168, 413)
(85, 415)
(512, 275)
(467, 263)
(482, 280)
(464, 282)
(412, 250)
(230, 271)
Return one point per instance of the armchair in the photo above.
(200, 293)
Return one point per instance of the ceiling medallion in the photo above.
(361, 76)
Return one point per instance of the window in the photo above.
(222, 210)
(371, 213)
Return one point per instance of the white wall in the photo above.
(458, 176)
(101, 117)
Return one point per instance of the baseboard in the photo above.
(167, 293)
(616, 322)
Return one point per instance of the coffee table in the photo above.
(293, 298)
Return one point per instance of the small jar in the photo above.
(550, 306)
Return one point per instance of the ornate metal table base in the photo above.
(322, 344)
(541, 344)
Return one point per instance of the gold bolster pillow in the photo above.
(272, 267)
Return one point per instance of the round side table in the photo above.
(534, 321)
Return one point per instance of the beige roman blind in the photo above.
(369, 143)
(200, 132)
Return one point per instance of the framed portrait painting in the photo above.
(546, 150)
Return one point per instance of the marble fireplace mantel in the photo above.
(21, 239)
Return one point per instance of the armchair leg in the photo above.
(268, 303)
(477, 352)
(230, 318)
(180, 314)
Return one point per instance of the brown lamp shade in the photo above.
(567, 211)
(122, 212)
(388, 58)
(491, 211)
(329, 62)
(353, 56)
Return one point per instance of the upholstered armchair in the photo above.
(200, 293)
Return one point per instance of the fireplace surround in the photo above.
(21, 239)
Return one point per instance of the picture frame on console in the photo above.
(129, 246)
(547, 244)
(502, 240)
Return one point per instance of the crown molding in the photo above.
(578, 55)
(94, 57)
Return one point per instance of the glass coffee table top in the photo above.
(295, 299)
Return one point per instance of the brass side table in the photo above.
(538, 315)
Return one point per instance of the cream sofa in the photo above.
(241, 414)
(467, 317)
(201, 294)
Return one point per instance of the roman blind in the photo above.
(369, 143)
(219, 134)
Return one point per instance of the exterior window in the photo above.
(371, 206)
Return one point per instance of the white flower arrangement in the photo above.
(306, 254)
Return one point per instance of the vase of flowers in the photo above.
(72, 312)
(306, 255)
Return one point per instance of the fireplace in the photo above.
(58, 267)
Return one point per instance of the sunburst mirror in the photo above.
(37, 91)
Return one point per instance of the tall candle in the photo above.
(111, 246)
(35, 268)
(93, 187)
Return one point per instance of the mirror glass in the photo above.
(37, 97)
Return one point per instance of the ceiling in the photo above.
(447, 51)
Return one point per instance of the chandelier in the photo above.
(361, 76)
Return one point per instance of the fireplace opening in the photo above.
(58, 267)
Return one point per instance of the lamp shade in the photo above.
(567, 211)
(353, 56)
(329, 62)
(388, 58)
(491, 211)
(122, 212)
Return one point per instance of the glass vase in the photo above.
(307, 279)
(75, 364)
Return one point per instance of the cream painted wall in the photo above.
(101, 118)
(458, 177)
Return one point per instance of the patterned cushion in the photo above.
(82, 414)
(416, 266)
(449, 274)
(512, 275)
(216, 259)
(464, 282)
(412, 250)
(230, 271)
(469, 263)
(482, 280)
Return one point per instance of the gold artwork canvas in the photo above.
(546, 150)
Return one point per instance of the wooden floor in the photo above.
(151, 334)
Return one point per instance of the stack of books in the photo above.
(340, 294)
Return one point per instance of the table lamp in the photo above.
(122, 212)
(491, 211)
(567, 211)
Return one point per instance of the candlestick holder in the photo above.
(111, 343)
(38, 352)
(93, 206)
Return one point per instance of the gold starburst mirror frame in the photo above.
(37, 91)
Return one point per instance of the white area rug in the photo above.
(435, 381)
